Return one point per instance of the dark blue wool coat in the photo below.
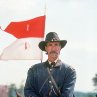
(38, 83)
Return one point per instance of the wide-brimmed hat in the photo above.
(51, 37)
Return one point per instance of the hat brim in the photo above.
(42, 44)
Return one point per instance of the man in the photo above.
(52, 78)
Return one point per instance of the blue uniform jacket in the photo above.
(38, 82)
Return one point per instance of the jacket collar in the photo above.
(58, 64)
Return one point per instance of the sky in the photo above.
(73, 20)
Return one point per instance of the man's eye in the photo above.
(53, 44)
(57, 44)
(50, 44)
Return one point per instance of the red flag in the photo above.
(29, 28)
(29, 34)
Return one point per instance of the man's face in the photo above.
(53, 49)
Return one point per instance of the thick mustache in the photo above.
(53, 52)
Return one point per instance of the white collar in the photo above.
(55, 62)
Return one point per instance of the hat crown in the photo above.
(52, 36)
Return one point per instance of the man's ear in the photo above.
(45, 48)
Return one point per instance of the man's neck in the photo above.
(53, 61)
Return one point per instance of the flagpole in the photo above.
(45, 8)
(41, 56)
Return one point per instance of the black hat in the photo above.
(51, 37)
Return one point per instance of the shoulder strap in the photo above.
(54, 83)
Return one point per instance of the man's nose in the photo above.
(53, 47)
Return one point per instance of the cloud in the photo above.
(16, 10)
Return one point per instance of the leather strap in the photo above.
(54, 83)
